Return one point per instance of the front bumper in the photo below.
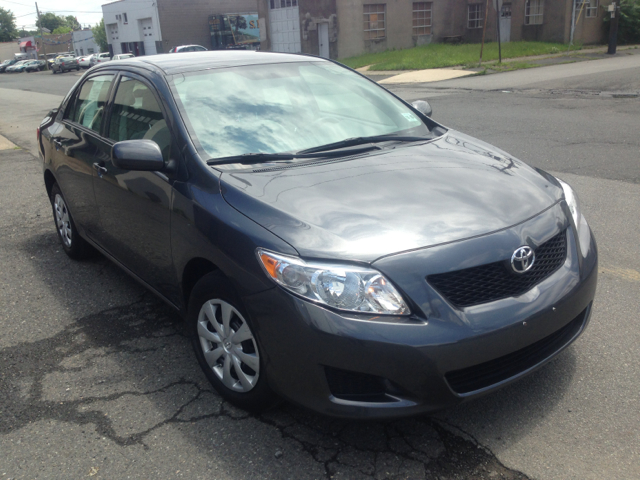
(423, 359)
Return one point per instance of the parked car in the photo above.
(85, 62)
(123, 56)
(324, 240)
(56, 56)
(100, 58)
(188, 48)
(8, 63)
(17, 67)
(34, 66)
(64, 64)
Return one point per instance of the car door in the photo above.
(75, 144)
(134, 206)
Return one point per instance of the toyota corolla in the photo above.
(327, 242)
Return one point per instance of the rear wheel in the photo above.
(225, 344)
(73, 244)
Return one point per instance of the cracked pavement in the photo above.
(98, 380)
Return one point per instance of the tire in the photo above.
(73, 244)
(213, 304)
(53, 71)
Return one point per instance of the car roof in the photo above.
(194, 61)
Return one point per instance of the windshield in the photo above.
(286, 107)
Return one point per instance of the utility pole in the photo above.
(614, 8)
(498, 8)
(484, 29)
(44, 50)
(573, 22)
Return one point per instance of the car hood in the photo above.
(372, 205)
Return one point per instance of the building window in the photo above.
(475, 16)
(592, 8)
(422, 18)
(282, 3)
(533, 10)
(125, 18)
(374, 21)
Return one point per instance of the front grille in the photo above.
(494, 281)
(495, 371)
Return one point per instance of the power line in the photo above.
(17, 3)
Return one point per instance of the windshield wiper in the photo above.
(259, 157)
(350, 142)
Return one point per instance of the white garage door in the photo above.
(284, 19)
(148, 36)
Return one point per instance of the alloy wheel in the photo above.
(63, 221)
(228, 345)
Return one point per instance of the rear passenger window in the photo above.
(88, 107)
(136, 115)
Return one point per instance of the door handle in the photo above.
(100, 169)
(57, 144)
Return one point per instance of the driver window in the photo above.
(136, 115)
(88, 107)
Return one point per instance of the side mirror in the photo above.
(140, 155)
(423, 107)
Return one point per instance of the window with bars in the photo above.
(422, 18)
(475, 17)
(592, 8)
(374, 21)
(282, 3)
(533, 12)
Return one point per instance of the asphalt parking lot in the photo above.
(99, 380)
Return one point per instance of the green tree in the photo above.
(27, 33)
(72, 22)
(62, 30)
(51, 21)
(100, 36)
(628, 24)
(8, 29)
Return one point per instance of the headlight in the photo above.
(343, 287)
(584, 233)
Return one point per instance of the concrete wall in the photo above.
(7, 49)
(186, 22)
(83, 42)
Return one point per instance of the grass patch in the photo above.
(438, 55)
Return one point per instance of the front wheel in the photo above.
(73, 244)
(225, 345)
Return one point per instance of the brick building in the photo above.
(343, 28)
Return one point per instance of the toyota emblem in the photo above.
(522, 259)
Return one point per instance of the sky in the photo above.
(88, 12)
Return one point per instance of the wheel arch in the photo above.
(194, 270)
(49, 181)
